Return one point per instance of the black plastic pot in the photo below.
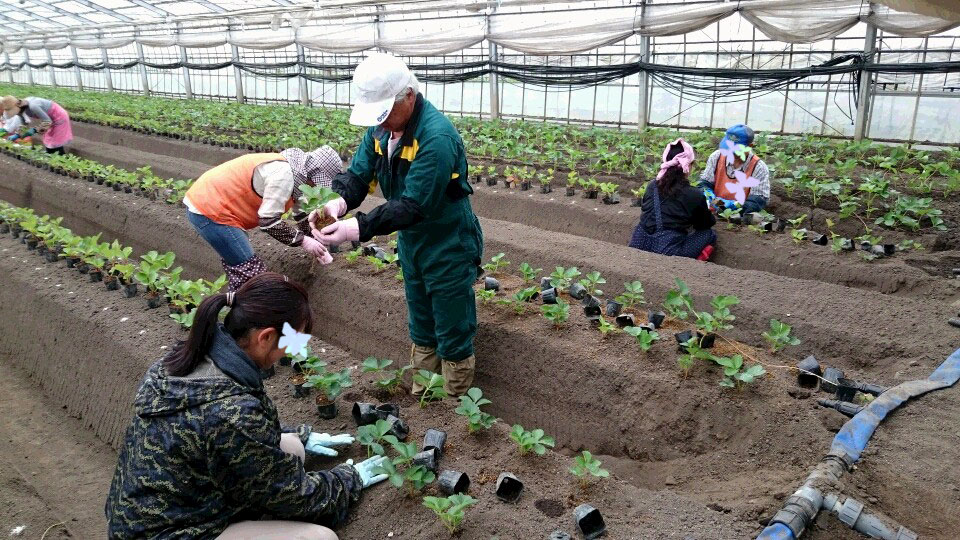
(590, 301)
(398, 428)
(558, 535)
(625, 320)
(127, 189)
(811, 365)
(831, 378)
(706, 341)
(83, 267)
(636, 202)
(819, 239)
(380, 254)
(364, 413)
(299, 390)
(386, 410)
(51, 256)
(613, 308)
(766, 226)
(524, 186)
(333, 248)
(111, 283)
(656, 318)
(865, 246)
(327, 411)
(95, 276)
(545, 283)
(41, 250)
(130, 290)
(426, 459)
(32, 243)
(878, 251)
(592, 313)
(15, 231)
(549, 296)
(491, 182)
(267, 373)
(4, 228)
(683, 337)
(370, 250)
(475, 179)
(611, 199)
(746, 219)
(435, 439)
(491, 284)
(591, 194)
(577, 291)
(116, 187)
(285, 360)
(889, 249)
(154, 302)
(846, 244)
(589, 522)
(356, 244)
(546, 188)
(509, 487)
(452, 482)
(781, 225)
(100, 181)
(571, 192)
(846, 389)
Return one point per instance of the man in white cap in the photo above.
(417, 156)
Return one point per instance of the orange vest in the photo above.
(720, 177)
(225, 193)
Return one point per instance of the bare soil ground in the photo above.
(673, 441)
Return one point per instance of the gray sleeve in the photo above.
(709, 172)
(38, 107)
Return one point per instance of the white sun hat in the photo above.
(378, 80)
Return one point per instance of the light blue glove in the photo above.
(321, 443)
(727, 204)
(366, 468)
(13, 137)
(30, 132)
(710, 195)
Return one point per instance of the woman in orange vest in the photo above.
(252, 191)
(734, 156)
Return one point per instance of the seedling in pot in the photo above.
(644, 336)
(678, 302)
(496, 264)
(638, 195)
(556, 313)
(561, 278)
(779, 336)
(531, 441)
(610, 195)
(632, 295)
(450, 510)
(315, 197)
(372, 436)
(469, 408)
(332, 385)
(545, 180)
(573, 180)
(491, 175)
(590, 283)
(733, 377)
(432, 386)
(586, 466)
(529, 273)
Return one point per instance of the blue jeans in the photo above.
(753, 204)
(231, 243)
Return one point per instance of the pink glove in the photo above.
(339, 232)
(334, 209)
(317, 249)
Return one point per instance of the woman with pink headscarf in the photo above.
(672, 207)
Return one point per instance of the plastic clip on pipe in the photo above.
(848, 409)
(801, 508)
(851, 513)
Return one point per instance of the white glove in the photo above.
(321, 443)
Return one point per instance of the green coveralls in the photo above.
(440, 255)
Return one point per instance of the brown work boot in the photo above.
(458, 376)
(423, 358)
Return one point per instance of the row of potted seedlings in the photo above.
(523, 178)
(110, 263)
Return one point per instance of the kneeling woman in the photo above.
(671, 207)
(204, 456)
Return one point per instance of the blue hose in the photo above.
(854, 435)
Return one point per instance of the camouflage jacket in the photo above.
(203, 452)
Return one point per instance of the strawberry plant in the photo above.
(185, 319)
(352, 256)
(393, 379)
(469, 408)
(590, 283)
(779, 336)
(632, 295)
(432, 384)
(315, 197)
(798, 235)
(485, 295)
(556, 313)
(375, 365)
(586, 466)
(561, 278)
(450, 510)
(529, 273)
(372, 436)
(678, 301)
(521, 298)
(694, 352)
(645, 338)
(605, 327)
(733, 377)
(331, 383)
(496, 264)
(531, 441)
(378, 264)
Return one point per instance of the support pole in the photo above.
(865, 99)
(302, 80)
(237, 74)
(6, 59)
(144, 79)
(26, 55)
(494, 82)
(643, 114)
(53, 72)
(76, 67)
(187, 87)
(106, 60)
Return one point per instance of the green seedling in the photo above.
(605, 328)
(470, 409)
(331, 383)
(733, 376)
(779, 336)
(450, 510)
(632, 295)
(393, 379)
(378, 265)
(798, 235)
(556, 313)
(315, 197)
(561, 278)
(645, 338)
(432, 384)
(485, 295)
(399, 275)
(678, 302)
(721, 317)
(372, 436)
(185, 319)
(391, 258)
(694, 352)
(796, 222)
(418, 478)
(375, 365)
(496, 264)
(529, 273)
(521, 298)
(586, 466)
(590, 283)
(352, 256)
(527, 441)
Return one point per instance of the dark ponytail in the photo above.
(265, 301)
(673, 177)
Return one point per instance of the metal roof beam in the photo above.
(25, 24)
(101, 9)
(215, 8)
(63, 11)
(151, 7)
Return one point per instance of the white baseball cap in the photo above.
(378, 80)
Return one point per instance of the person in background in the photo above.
(46, 117)
(12, 125)
(418, 157)
(671, 207)
(205, 455)
(256, 190)
(734, 155)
